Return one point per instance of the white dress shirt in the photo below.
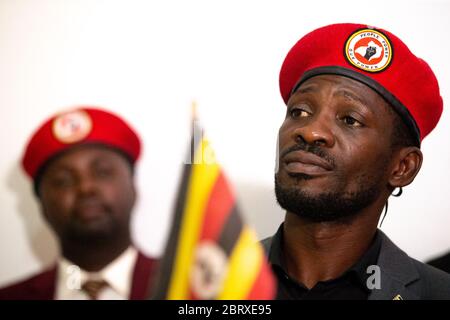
(118, 274)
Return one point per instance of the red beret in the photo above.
(79, 126)
(374, 57)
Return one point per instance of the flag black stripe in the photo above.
(167, 263)
(231, 230)
(165, 273)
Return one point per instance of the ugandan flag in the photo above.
(211, 253)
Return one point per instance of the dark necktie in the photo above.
(93, 288)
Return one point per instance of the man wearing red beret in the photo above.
(82, 165)
(359, 104)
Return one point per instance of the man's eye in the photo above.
(298, 113)
(350, 121)
(62, 181)
(104, 172)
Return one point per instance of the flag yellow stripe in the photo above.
(243, 267)
(200, 185)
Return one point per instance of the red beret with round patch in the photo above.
(79, 126)
(374, 57)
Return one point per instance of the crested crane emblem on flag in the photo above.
(211, 253)
(209, 270)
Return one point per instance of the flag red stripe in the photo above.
(264, 287)
(220, 205)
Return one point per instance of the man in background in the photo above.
(82, 166)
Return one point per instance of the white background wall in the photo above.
(147, 60)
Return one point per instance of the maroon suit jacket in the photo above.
(42, 286)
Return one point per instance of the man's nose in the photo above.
(316, 131)
(87, 185)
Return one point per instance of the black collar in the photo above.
(358, 270)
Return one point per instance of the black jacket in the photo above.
(403, 277)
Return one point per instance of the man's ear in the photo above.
(406, 164)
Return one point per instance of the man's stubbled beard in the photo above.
(336, 206)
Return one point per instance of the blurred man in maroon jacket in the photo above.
(82, 165)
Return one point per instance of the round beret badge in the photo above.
(369, 50)
(72, 126)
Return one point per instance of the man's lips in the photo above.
(305, 162)
(90, 210)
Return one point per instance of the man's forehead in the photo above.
(84, 154)
(341, 86)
